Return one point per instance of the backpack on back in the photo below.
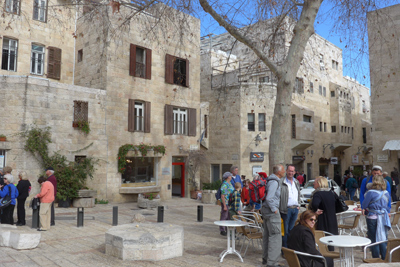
(231, 198)
(257, 190)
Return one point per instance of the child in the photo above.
(235, 201)
(245, 193)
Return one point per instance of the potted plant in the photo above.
(3, 138)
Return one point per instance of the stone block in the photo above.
(208, 198)
(145, 203)
(138, 218)
(85, 202)
(24, 240)
(145, 241)
(5, 231)
(87, 193)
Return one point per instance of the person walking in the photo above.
(376, 170)
(289, 204)
(226, 190)
(24, 187)
(375, 207)
(53, 180)
(46, 197)
(7, 215)
(272, 240)
(351, 186)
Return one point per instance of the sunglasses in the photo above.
(313, 220)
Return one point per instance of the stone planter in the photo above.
(209, 197)
(145, 203)
(85, 199)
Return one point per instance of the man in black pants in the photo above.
(51, 178)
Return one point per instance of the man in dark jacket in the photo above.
(52, 179)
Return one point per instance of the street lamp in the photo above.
(258, 139)
(326, 145)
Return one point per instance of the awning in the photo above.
(392, 145)
(301, 144)
(341, 146)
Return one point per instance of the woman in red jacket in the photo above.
(46, 197)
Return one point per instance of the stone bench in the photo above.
(85, 199)
(11, 236)
(145, 241)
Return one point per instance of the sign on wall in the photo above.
(334, 160)
(383, 158)
(257, 169)
(256, 156)
(354, 159)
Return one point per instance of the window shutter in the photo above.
(57, 63)
(169, 69)
(168, 120)
(148, 64)
(187, 73)
(205, 126)
(147, 116)
(131, 115)
(192, 121)
(51, 62)
(132, 60)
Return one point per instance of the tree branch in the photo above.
(296, 3)
(240, 37)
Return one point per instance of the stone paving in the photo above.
(67, 245)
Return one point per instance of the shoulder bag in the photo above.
(6, 201)
(340, 205)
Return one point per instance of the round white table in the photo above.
(345, 243)
(230, 225)
(362, 225)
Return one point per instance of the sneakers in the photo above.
(40, 229)
(223, 233)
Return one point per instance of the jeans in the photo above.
(378, 249)
(288, 223)
(352, 192)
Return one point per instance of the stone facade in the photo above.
(383, 35)
(95, 68)
(240, 90)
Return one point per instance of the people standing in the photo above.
(300, 179)
(24, 187)
(272, 240)
(6, 170)
(304, 176)
(52, 179)
(289, 201)
(395, 179)
(235, 207)
(7, 215)
(46, 197)
(235, 176)
(376, 170)
(375, 207)
(389, 179)
(338, 179)
(351, 186)
(226, 190)
(245, 193)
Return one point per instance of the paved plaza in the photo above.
(67, 245)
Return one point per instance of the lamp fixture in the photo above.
(326, 145)
(258, 139)
(363, 150)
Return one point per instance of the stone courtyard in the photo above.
(69, 246)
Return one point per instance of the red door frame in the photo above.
(183, 176)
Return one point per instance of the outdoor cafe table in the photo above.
(362, 225)
(231, 225)
(345, 243)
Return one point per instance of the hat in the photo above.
(376, 167)
(263, 174)
(226, 175)
(49, 169)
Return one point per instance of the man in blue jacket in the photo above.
(235, 176)
(376, 170)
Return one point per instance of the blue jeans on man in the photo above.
(352, 192)
(377, 249)
(288, 223)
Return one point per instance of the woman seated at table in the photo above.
(376, 209)
(302, 239)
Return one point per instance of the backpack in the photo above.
(231, 198)
(257, 190)
(218, 194)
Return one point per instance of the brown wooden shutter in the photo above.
(132, 60)
(192, 121)
(54, 63)
(168, 120)
(147, 116)
(131, 115)
(50, 63)
(205, 126)
(187, 73)
(169, 69)
(148, 64)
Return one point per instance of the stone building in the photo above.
(134, 78)
(330, 112)
(383, 36)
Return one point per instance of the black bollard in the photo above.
(80, 217)
(160, 214)
(200, 213)
(35, 213)
(115, 216)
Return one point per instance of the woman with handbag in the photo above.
(8, 190)
(24, 187)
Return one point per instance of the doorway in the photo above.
(309, 172)
(178, 179)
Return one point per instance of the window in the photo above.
(321, 126)
(179, 120)
(54, 63)
(215, 173)
(364, 135)
(9, 55)
(311, 87)
(2, 159)
(320, 90)
(79, 159)
(335, 65)
(81, 111)
(333, 129)
(261, 122)
(12, 6)
(176, 71)
(332, 93)
(293, 126)
(345, 129)
(342, 129)
(37, 59)
(298, 86)
(352, 133)
(264, 79)
(324, 91)
(80, 55)
(226, 168)
(364, 107)
(139, 116)
(307, 118)
(139, 171)
(321, 62)
(40, 10)
(325, 127)
(205, 126)
(251, 122)
(140, 62)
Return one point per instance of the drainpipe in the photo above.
(76, 21)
